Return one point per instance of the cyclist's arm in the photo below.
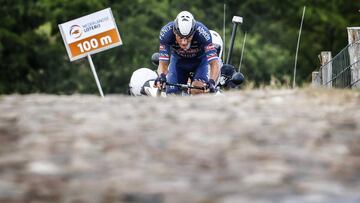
(214, 69)
(164, 48)
(164, 59)
(210, 51)
(163, 67)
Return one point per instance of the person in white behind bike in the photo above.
(138, 80)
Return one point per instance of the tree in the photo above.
(34, 58)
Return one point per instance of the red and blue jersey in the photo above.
(201, 44)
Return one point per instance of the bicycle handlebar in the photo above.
(186, 86)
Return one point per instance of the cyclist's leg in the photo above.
(201, 76)
(202, 71)
(175, 75)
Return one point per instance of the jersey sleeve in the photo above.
(165, 37)
(164, 53)
(206, 40)
(211, 53)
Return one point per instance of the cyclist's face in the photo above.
(183, 42)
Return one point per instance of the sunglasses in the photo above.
(189, 37)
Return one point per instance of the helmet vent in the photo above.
(184, 24)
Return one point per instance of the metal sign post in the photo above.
(95, 75)
(242, 52)
(224, 33)
(297, 47)
(236, 20)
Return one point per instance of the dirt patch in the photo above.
(247, 146)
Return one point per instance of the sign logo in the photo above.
(75, 31)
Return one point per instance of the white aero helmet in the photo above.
(139, 78)
(217, 42)
(184, 24)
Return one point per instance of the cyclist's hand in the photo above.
(160, 81)
(211, 86)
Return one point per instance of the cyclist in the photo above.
(143, 78)
(185, 47)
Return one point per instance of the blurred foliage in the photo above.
(34, 59)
